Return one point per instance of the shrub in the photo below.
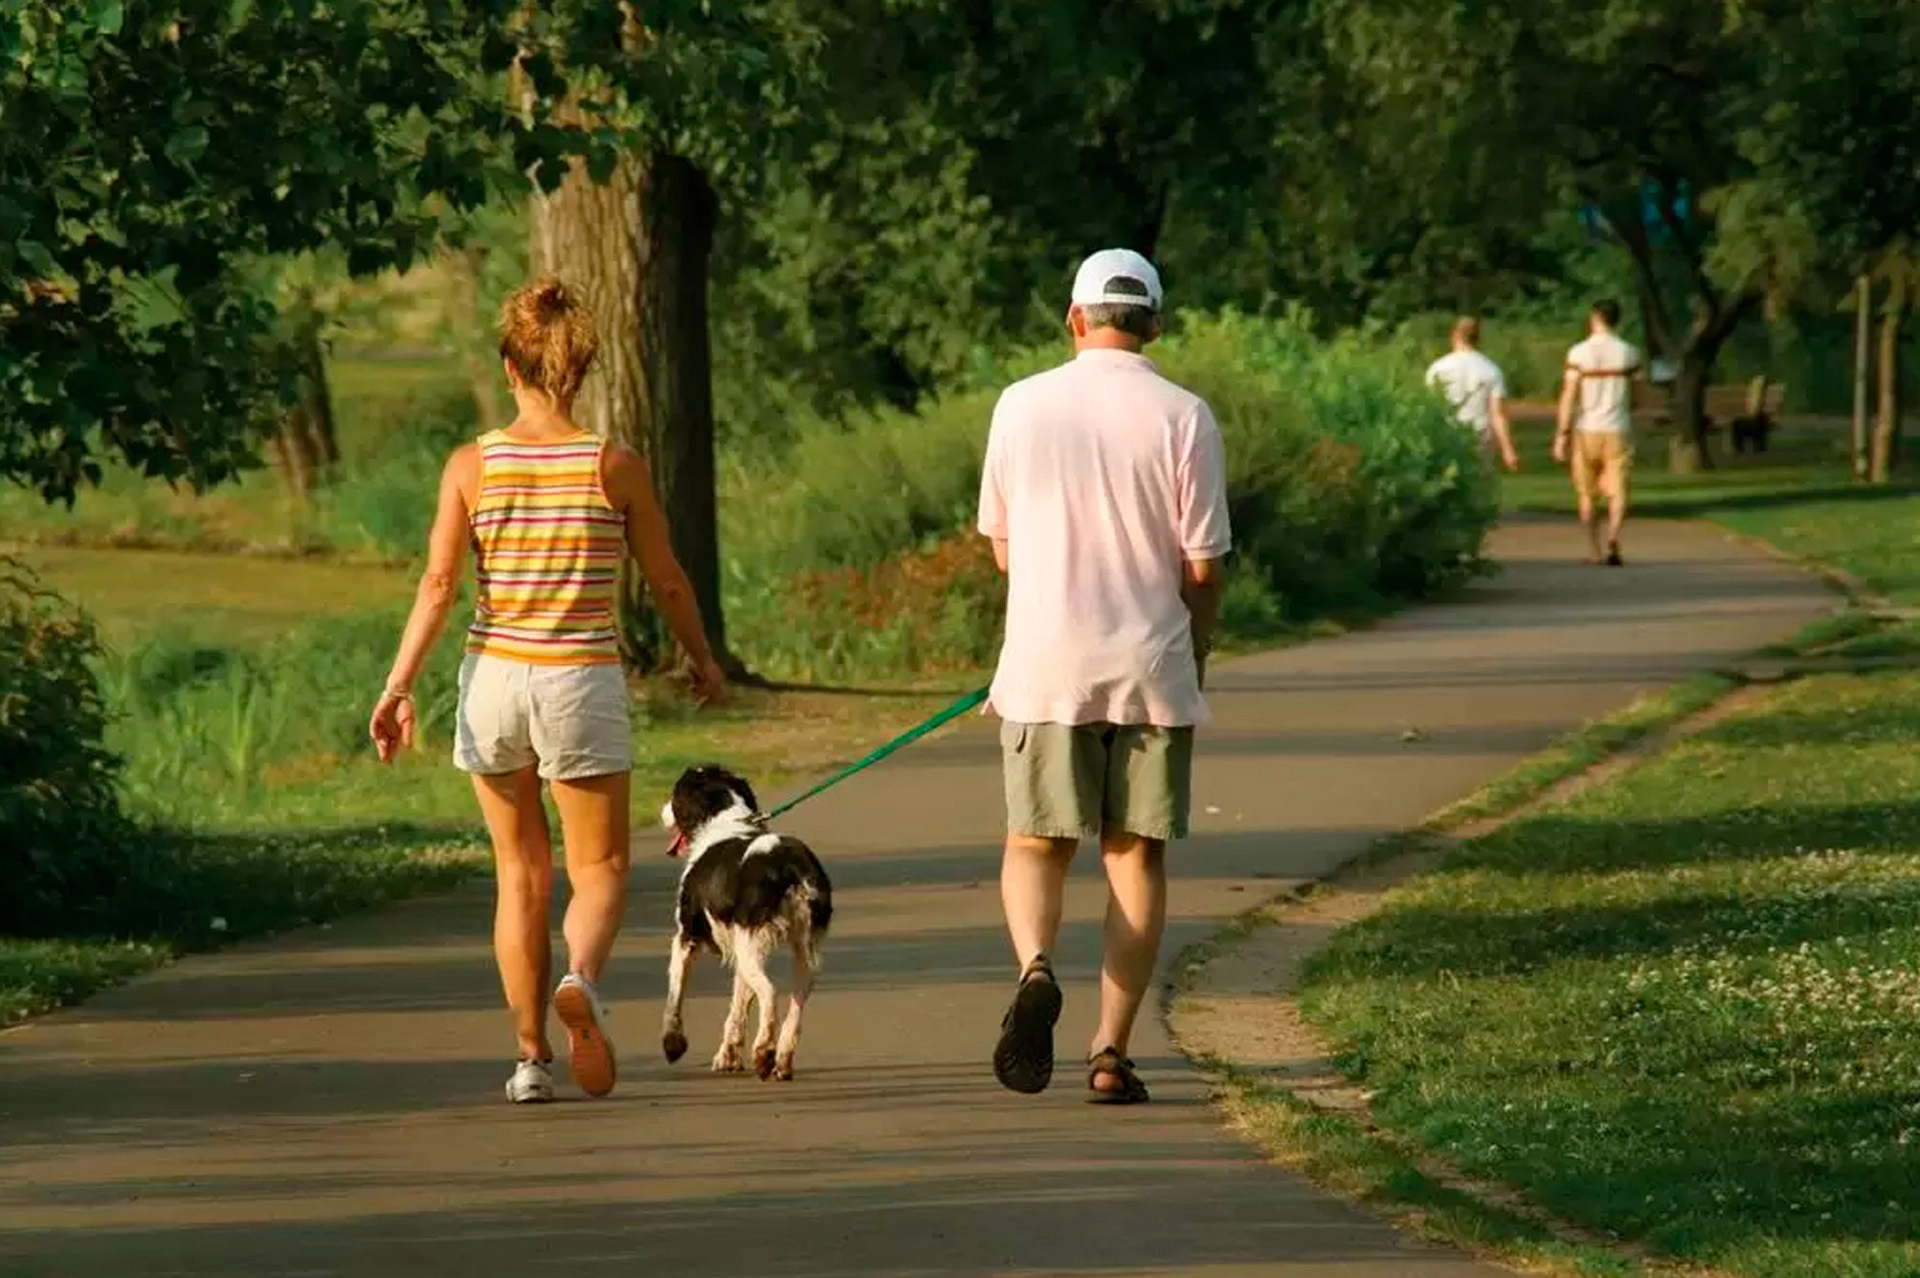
(926, 611)
(1349, 486)
(60, 817)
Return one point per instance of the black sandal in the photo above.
(1131, 1090)
(1023, 1059)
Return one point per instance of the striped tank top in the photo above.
(548, 546)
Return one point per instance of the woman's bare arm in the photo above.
(393, 719)
(440, 582)
(629, 485)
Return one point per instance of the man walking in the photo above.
(1104, 494)
(1477, 390)
(1595, 427)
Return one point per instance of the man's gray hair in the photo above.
(1134, 321)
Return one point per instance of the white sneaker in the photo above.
(531, 1084)
(590, 1051)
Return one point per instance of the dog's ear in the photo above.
(746, 792)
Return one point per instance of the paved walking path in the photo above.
(329, 1104)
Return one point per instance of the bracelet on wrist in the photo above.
(399, 694)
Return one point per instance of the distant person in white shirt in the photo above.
(1477, 390)
(1595, 431)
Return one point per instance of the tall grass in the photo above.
(1349, 487)
(205, 729)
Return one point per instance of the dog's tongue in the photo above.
(678, 844)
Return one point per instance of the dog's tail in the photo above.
(819, 897)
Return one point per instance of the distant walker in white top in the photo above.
(1476, 390)
(1595, 428)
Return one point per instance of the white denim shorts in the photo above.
(570, 720)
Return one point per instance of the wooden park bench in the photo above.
(1747, 411)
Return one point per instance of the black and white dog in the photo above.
(744, 893)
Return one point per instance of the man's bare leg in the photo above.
(1136, 920)
(1589, 514)
(1616, 518)
(1033, 885)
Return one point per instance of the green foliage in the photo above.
(1352, 484)
(59, 797)
(206, 727)
(1851, 74)
(151, 150)
(1677, 1009)
(955, 163)
(1349, 486)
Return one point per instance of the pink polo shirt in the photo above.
(1102, 477)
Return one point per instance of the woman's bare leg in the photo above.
(523, 877)
(594, 826)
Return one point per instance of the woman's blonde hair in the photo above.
(546, 335)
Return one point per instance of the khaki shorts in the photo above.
(570, 720)
(1602, 463)
(1072, 781)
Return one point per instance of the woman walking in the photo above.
(551, 512)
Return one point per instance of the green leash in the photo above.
(905, 739)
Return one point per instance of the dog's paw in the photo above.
(673, 1045)
(727, 1060)
(783, 1068)
(763, 1063)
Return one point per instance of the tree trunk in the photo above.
(1688, 452)
(306, 446)
(293, 453)
(679, 211)
(587, 233)
(460, 268)
(1862, 347)
(642, 271)
(1631, 234)
(316, 397)
(1712, 325)
(1886, 431)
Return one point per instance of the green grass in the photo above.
(1587, 746)
(240, 687)
(395, 418)
(217, 600)
(1680, 1007)
(1336, 1151)
(38, 975)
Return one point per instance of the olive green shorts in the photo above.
(1072, 781)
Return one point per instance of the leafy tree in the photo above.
(148, 149)
(1636, 111)
(1836, 172)
(666, 112)
(955, 162)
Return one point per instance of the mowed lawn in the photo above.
(1684, 1007)
(218, 600)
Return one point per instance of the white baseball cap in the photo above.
(1117, 276)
